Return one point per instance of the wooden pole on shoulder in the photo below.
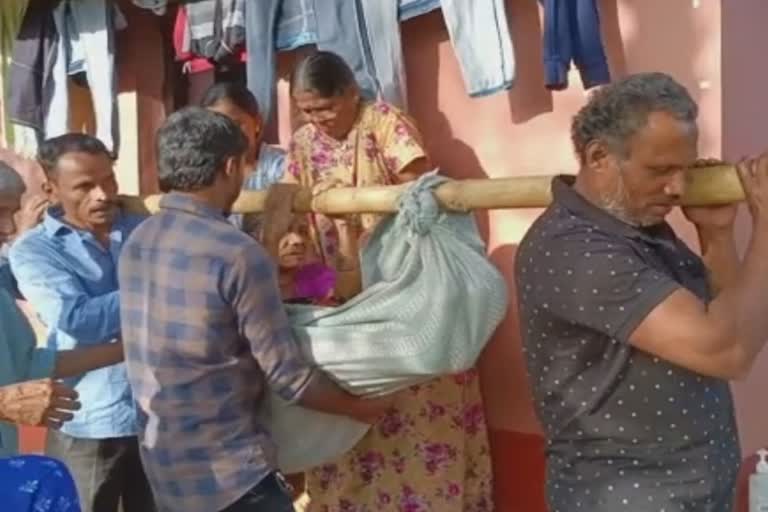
(706, 186)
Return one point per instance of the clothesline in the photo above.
(706, 186)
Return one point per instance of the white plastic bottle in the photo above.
(758, 485)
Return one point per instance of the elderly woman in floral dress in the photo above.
(430, 453)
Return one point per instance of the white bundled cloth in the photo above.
(431, 301)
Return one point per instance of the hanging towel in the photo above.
(431, 301)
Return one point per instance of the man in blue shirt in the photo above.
(67, 268)
(28, 396)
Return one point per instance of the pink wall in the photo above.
(526, 132)
(745, 108)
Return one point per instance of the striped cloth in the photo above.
(216, 27)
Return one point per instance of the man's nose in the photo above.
(675, 187)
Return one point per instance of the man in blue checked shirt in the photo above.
(67, 268)
(206, 334)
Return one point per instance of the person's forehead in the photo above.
(310, 99)
(228, 108)
(79, 164)
(666, 138)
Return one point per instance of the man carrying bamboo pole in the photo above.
(630, 337)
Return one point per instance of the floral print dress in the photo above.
(430, 452)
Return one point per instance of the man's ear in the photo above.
(598, 157)
(47, 189)
(233, 167)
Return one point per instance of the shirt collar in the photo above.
(188, 204)
(566, 196)
(55, 225)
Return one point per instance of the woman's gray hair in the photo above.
(619, 110)
(11, 184)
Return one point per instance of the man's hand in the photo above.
(753, 173)
(32, 212)
(371, 410)
(711, 218)
(38, 403)
(278, 215)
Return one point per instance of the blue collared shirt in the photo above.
(71, 281)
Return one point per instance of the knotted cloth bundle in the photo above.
(431, 302)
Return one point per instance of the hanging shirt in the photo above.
(71, 281)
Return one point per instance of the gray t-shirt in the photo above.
(625, 431)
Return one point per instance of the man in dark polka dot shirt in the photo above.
(630, 337)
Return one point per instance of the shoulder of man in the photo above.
(559, 239)
(36, 240)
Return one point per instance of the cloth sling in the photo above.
(431, 302)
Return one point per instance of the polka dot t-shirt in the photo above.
(625, 431)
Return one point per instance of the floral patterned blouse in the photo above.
(380, 146)
(430, 452)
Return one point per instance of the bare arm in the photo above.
(322, 394)
(718, 250)
(348, 280)
(71, 363)
(723, 338)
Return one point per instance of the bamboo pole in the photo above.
(706, 186)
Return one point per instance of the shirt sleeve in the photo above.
(60, 300)
(18, 344)
(263, 322)
(401, 141)
(594, 281)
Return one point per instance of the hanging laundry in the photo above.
(479, 33)
(193, 63)
(480, 36)
(11, 16)
(572, 33)
(59, 39)
(332, 25)
(216, 27)
(158, 6)
(382, 44)
(29, 88)
(408, 9)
